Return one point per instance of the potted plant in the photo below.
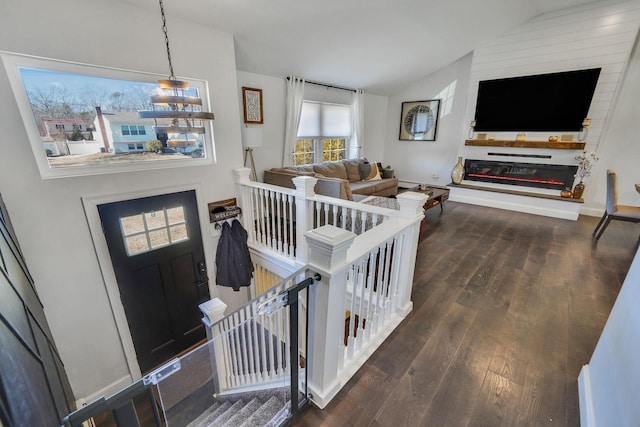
(585, 163)
(387, 172)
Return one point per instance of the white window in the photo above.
(323, 133)
(133, 130)
(47, 88)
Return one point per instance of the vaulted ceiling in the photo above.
(376, 45)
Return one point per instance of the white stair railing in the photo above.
(365, 255)
(366, 279)
(276, 218)
(251, 346)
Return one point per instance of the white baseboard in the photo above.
(537, 206)
(592, 212)
(404, 311)
(322, 399)
(587, 416)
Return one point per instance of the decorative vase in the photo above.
(457, 172)
(578, 190)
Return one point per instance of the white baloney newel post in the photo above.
(304, 213)
(411, 207)
(213, 311)
(328, 247)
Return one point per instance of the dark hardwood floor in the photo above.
(507, 309)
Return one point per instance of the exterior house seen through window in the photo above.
(323, 133)
(83, 120)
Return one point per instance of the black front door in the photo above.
(156, 250)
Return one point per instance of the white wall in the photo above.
(48, 215)
(620, 150)
(429, 161)
(610, 384)
(375, 118)
(600, 34)
(274, 104)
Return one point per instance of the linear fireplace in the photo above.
(524, 174)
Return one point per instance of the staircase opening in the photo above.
(250, 372)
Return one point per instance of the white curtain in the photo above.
(295, 96)
(357, 141)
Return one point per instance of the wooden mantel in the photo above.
(558, 145)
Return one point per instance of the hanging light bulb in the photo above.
(173, 111)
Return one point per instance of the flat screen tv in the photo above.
(543, 102)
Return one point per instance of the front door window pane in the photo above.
(155, 219)
(152, 230)
(137, 244)
(158, 238)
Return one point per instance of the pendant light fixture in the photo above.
(173, 111)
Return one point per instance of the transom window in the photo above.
(323, 133)
(153, 230)
(96, 101)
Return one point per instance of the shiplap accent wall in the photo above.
(600, 34)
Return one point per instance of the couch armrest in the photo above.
(332, 187)
(279, 178)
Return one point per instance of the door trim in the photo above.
(90, 204)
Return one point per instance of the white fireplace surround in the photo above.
(590, 37)
(555, 208)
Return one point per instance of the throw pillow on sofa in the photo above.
(369, 172)
(352, 167)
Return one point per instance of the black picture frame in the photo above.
(419, 120)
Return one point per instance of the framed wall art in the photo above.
(252, 102)
(419, 120)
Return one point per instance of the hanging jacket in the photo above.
(234, 268)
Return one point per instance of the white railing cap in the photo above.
(213, 309)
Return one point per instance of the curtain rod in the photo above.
(329, 86)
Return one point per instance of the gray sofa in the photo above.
(341, 179)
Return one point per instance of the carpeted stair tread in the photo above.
(223, 418)
(209, 419)
(245, 412)
(205, 414)
(265, 413)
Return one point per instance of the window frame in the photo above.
(317, 145)
(317, 141)
(13, 62)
